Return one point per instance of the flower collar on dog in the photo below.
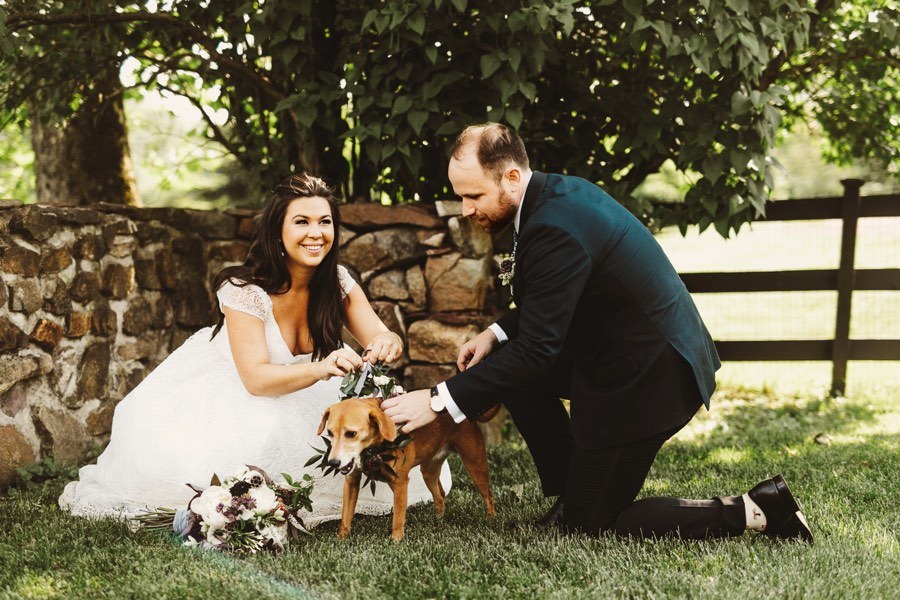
(372, 381)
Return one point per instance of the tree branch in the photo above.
(216, 130)
(813, 64)
(16, 22)
(637, 175)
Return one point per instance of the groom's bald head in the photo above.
(495, 145)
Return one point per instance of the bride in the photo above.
(252, 389)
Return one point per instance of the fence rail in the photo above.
(845, 279)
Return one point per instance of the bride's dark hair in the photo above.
(265, 264)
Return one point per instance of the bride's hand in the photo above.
(384, 347)
(339, 363)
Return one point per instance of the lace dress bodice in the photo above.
(253, 300)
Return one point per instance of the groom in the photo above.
(602, 319)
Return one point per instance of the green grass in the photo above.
(849, 488)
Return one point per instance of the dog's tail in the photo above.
(490, 414)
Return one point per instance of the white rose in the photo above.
(265, 499)
(398, 389)
(276, 533)
(381, 380)
(209, 500)
(210, 528)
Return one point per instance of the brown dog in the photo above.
(356, 424)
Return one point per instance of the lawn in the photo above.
(841, 458)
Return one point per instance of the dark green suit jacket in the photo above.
(593, 284)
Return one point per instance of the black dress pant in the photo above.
(543, 422)
(599, 485)
(602, 485)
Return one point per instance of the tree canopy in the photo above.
(369, 95)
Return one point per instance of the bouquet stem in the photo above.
(161, 518)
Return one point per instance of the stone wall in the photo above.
(92, 299)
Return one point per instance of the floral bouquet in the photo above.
(242, 513)
(372, 381)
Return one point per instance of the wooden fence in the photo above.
(845, 279)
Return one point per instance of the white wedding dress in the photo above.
(193, 417)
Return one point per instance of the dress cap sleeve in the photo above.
(250, 299)
(345, 280)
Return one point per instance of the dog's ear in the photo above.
(324, 421)
(383, 423)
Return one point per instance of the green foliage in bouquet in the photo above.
(296, 494)
(365, 382)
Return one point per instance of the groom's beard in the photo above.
(505, 213)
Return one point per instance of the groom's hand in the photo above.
(473, 352)
(413, 408)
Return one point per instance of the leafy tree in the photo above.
(16, 166)
(847, 80)
(64, 86)
(370, 94)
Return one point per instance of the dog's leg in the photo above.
(400, 486)
(431, 473)
(469, 442)
(351, 494)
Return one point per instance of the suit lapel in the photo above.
(532, 201)
(532, 197)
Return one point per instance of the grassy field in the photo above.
(841, 457)
(848, 485)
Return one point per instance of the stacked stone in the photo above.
(428, 277)
(92, 299)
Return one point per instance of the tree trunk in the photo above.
(85, 159)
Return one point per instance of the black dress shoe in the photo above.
(782, 511)
(552, 517)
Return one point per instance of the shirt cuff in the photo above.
(498, 331)
(449, 404)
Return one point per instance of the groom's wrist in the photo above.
(498, 333)
(449, 404)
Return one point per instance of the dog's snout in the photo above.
(333, 462)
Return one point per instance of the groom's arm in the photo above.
(555, 269)
(510, 320)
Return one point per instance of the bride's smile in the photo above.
(307, 234)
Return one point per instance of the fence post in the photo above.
(840, 352)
